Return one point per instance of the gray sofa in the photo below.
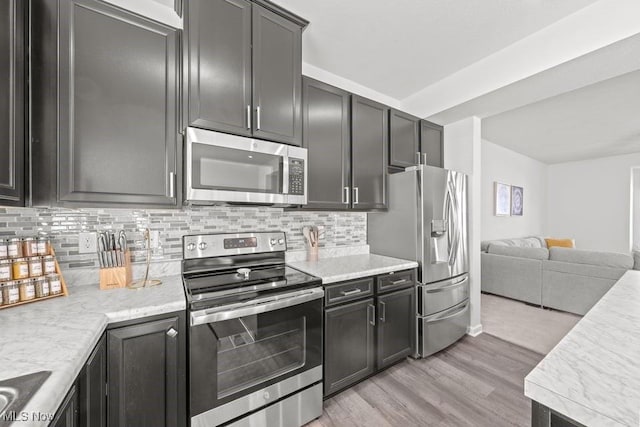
(565, 279)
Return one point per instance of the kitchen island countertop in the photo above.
(338, 269)
(59, 334)
(593, 375)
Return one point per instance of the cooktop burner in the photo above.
(220, 269)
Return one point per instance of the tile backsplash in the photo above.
(337, 229)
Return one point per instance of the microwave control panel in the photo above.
(296, 176)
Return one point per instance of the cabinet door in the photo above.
(118, 106)
(92, 388)
(327, 137)
(431, 143)
(67, 415)
(404, 143)
(370, 137)
(277, 77)
(146, 374)
(396, 325)
(349, 344)
(219, 58)
(12, 59)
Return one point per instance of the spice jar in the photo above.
(35, 266)
(3, 249)
(29, 247)
(48, 264)
(43, 245)
(14, 248)
(5, 269)
(27, 289)
(55, 287)
(10, 293)
(42, 287)
(20, 268)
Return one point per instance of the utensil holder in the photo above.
(117, 277)
(312, 253)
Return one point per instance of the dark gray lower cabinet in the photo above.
(431, 143)
(147, 373)
(12, 107)
(542, 416)
(366, 330)
(349, 344)
(92, 388)
(395, 327)
(67, 415)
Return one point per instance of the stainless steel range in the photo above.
(255, 336)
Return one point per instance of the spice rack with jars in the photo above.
(29, 271)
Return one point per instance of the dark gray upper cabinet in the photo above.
(369, 145)
(245, 65)
(219, 61)
(12, 92)
(277, 74)
(431, 143)
(327, 137)
(395, 326)
(404, 139)
(146, 373)
(105, 107)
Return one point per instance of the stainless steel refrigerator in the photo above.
(427, 221)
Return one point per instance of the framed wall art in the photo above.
(517, 198)
(502, 199)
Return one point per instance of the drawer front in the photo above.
(440, 296)
(395, 281)
(441, 330)
(348, 291)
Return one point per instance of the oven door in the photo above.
(223, 168)
(250, 355)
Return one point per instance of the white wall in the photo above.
(590, 201)
(508, 167)
(462, 145)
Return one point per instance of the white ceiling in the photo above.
(598, 120)
(400, 47)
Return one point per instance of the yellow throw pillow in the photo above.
(561, 243)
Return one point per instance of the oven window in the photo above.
(251, 352)
(232, 169)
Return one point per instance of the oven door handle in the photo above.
(256, 307)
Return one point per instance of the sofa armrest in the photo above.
(578, 256)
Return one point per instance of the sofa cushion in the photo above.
(520, 252)
(577, 256)
(522, 242)
(584, 270)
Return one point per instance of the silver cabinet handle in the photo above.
(172, 184)
(248, 116)
(356, 196)
(345, 195)
(258, 117)
(383, 311)
(418, 158)
(351, 292)
(371, 314)
(397, 282)
(424, 158)
(172, 333)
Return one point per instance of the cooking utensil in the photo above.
(306, 232)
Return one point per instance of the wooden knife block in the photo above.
(117, 277)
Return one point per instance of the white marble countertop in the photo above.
(593, 374)
(59, 334)
(337, 269)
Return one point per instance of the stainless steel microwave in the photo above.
(229, 169)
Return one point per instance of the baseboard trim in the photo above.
(474, 330)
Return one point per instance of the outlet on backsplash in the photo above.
(87, 243)
(154, 236)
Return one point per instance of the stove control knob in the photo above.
(281, 241)
(191, 246)
(244, 272)
(202, 246)
(273, 241)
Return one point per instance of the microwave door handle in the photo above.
(285, 174)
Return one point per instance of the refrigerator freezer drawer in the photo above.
(443, 329)
(439, 296)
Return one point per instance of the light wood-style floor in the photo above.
(477, 382)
